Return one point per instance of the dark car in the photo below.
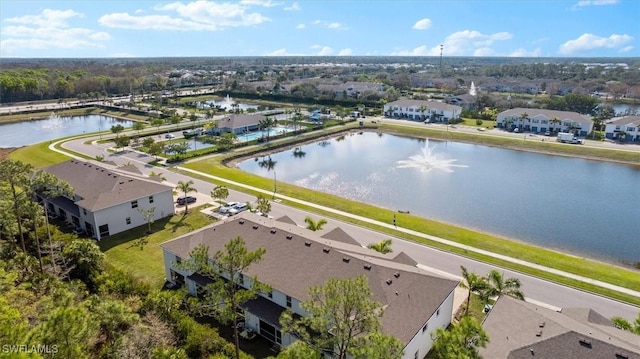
(185, 200)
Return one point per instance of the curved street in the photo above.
(536, 290)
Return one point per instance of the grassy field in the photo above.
(38, 155)
(140, 254)
(581, 266)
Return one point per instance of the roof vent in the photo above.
(389, 281)
(396, 274)
(585, 343)
(289, 237)
(255, 226)
(273, 231)
(367, 266)
(241, 221)
(345, 259)
(622, 356)
(307, 243)
(121, 182)
(326, 249)
(539, 333)
(542, 324)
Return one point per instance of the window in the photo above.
(134, 204)
(270, 294)
(288, 301)
(150, 199)
(178, 260)
(631, 129)
(417, 354)
(128, 220)
(104, 230)
(424, 328)
(438, 312)
(84, 211)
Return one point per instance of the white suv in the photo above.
(229, 206)
(238, 208)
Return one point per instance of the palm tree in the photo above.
(554, 121)
(498, 286)
(315, 225)
(422, 110)
(523, 117)
(474, 283)
(158, 175)
(263, 205)
(384, 246)
(220, 193)
(186, 187)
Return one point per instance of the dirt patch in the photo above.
(4, 152)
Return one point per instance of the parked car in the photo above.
(238, 208)
(227, 207)
(186, 199)
(169, 136)
(547, 133)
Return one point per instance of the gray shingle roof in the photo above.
(101, 188)
(626, 120)
(533, 112)
(339, 235)
(432, 105)
(238, 121)
(297, 259)
(514, 327)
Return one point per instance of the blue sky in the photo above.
(531, 28)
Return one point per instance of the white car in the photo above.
(238, 208)
(169, 136)
(229, 206)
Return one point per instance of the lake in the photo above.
(29, 132)
(590, 208)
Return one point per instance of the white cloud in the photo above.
(422, 24)
(520, 52)
(325, 51)
(626, 48)
(589, 42)
(461, 43)
(50, 29)
(583, 3)
(282, 52)
(293, 7)
(484, 51)
(263, 3)
(330, 25)
(301, 26)
(345, 52)
(193, 16)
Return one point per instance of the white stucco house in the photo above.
(415, 302)
(420, 110)
(106, 202)
(542, 120)
(625, 128)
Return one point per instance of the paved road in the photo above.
(538, 291)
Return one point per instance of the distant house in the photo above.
(542, 120)
(521, 330)
(420, 110)
(415, 302)
(238, 124)
(105, 202)
(625, 128)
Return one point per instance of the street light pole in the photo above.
(441, 48)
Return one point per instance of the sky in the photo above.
(151, 28)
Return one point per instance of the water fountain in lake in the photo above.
(426, 161)
(472, 89)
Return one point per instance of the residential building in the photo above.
(106, 202)
(625, 128)
(518, 330)
(237, 123)
(420, 110)
(415, 302)
(542, 120)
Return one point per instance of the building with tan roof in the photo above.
(106, 202)
(238, 123)
(519, 330)
(415, 302)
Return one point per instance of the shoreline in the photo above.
(234, 160)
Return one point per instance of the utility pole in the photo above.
(441, 48)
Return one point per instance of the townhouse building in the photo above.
(625, 128)
(415, 302)
(106, 202)
(541, 120)
(420, 110)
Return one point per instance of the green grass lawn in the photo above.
(139, 253)
(38, 155)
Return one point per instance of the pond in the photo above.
(29, 132)
(589, 208)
